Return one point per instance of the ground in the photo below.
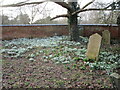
(55, 62)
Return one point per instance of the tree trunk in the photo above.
(118, 22)
(73, 28)
(73, 23)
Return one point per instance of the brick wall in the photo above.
(32, 31)
(89, 30)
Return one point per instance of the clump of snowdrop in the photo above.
(62, 59)
(84, 39)
(14, 52)
(61, 51)
(17, 47)
(107, 61)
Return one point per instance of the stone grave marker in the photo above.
(93, 46)
(115, 78)
(106, 37)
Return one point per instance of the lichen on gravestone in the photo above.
(93, 46)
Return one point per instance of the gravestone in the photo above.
(93, 46)
(106, 37)
(115, 78)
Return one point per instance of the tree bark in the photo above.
(73, 22)
(118, 22)
(73, 27)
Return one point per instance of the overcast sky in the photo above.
(53, 8)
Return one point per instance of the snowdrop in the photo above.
(32, 59)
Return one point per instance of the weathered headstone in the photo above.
(106, 37)
(115, 78)
(93, 46)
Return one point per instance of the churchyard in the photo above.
(56, 62)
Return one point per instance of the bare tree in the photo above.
(72, 14)
(4, 19)
(102, 17)
(35, 9)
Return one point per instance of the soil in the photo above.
(22, 73)
(26, 74)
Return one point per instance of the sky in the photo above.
(52, 8)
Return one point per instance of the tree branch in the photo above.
(21, 4)
(60, 2)
(63, 4)
(58, 16)
(87, 4)
(93, 9)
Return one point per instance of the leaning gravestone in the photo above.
(106, 37)
(93, 46)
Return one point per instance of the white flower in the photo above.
(32, 59)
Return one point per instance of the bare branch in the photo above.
(21, 4)
(58, 16)
(87, 4)
(63, 4)
(93, 9)
(60, 2)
